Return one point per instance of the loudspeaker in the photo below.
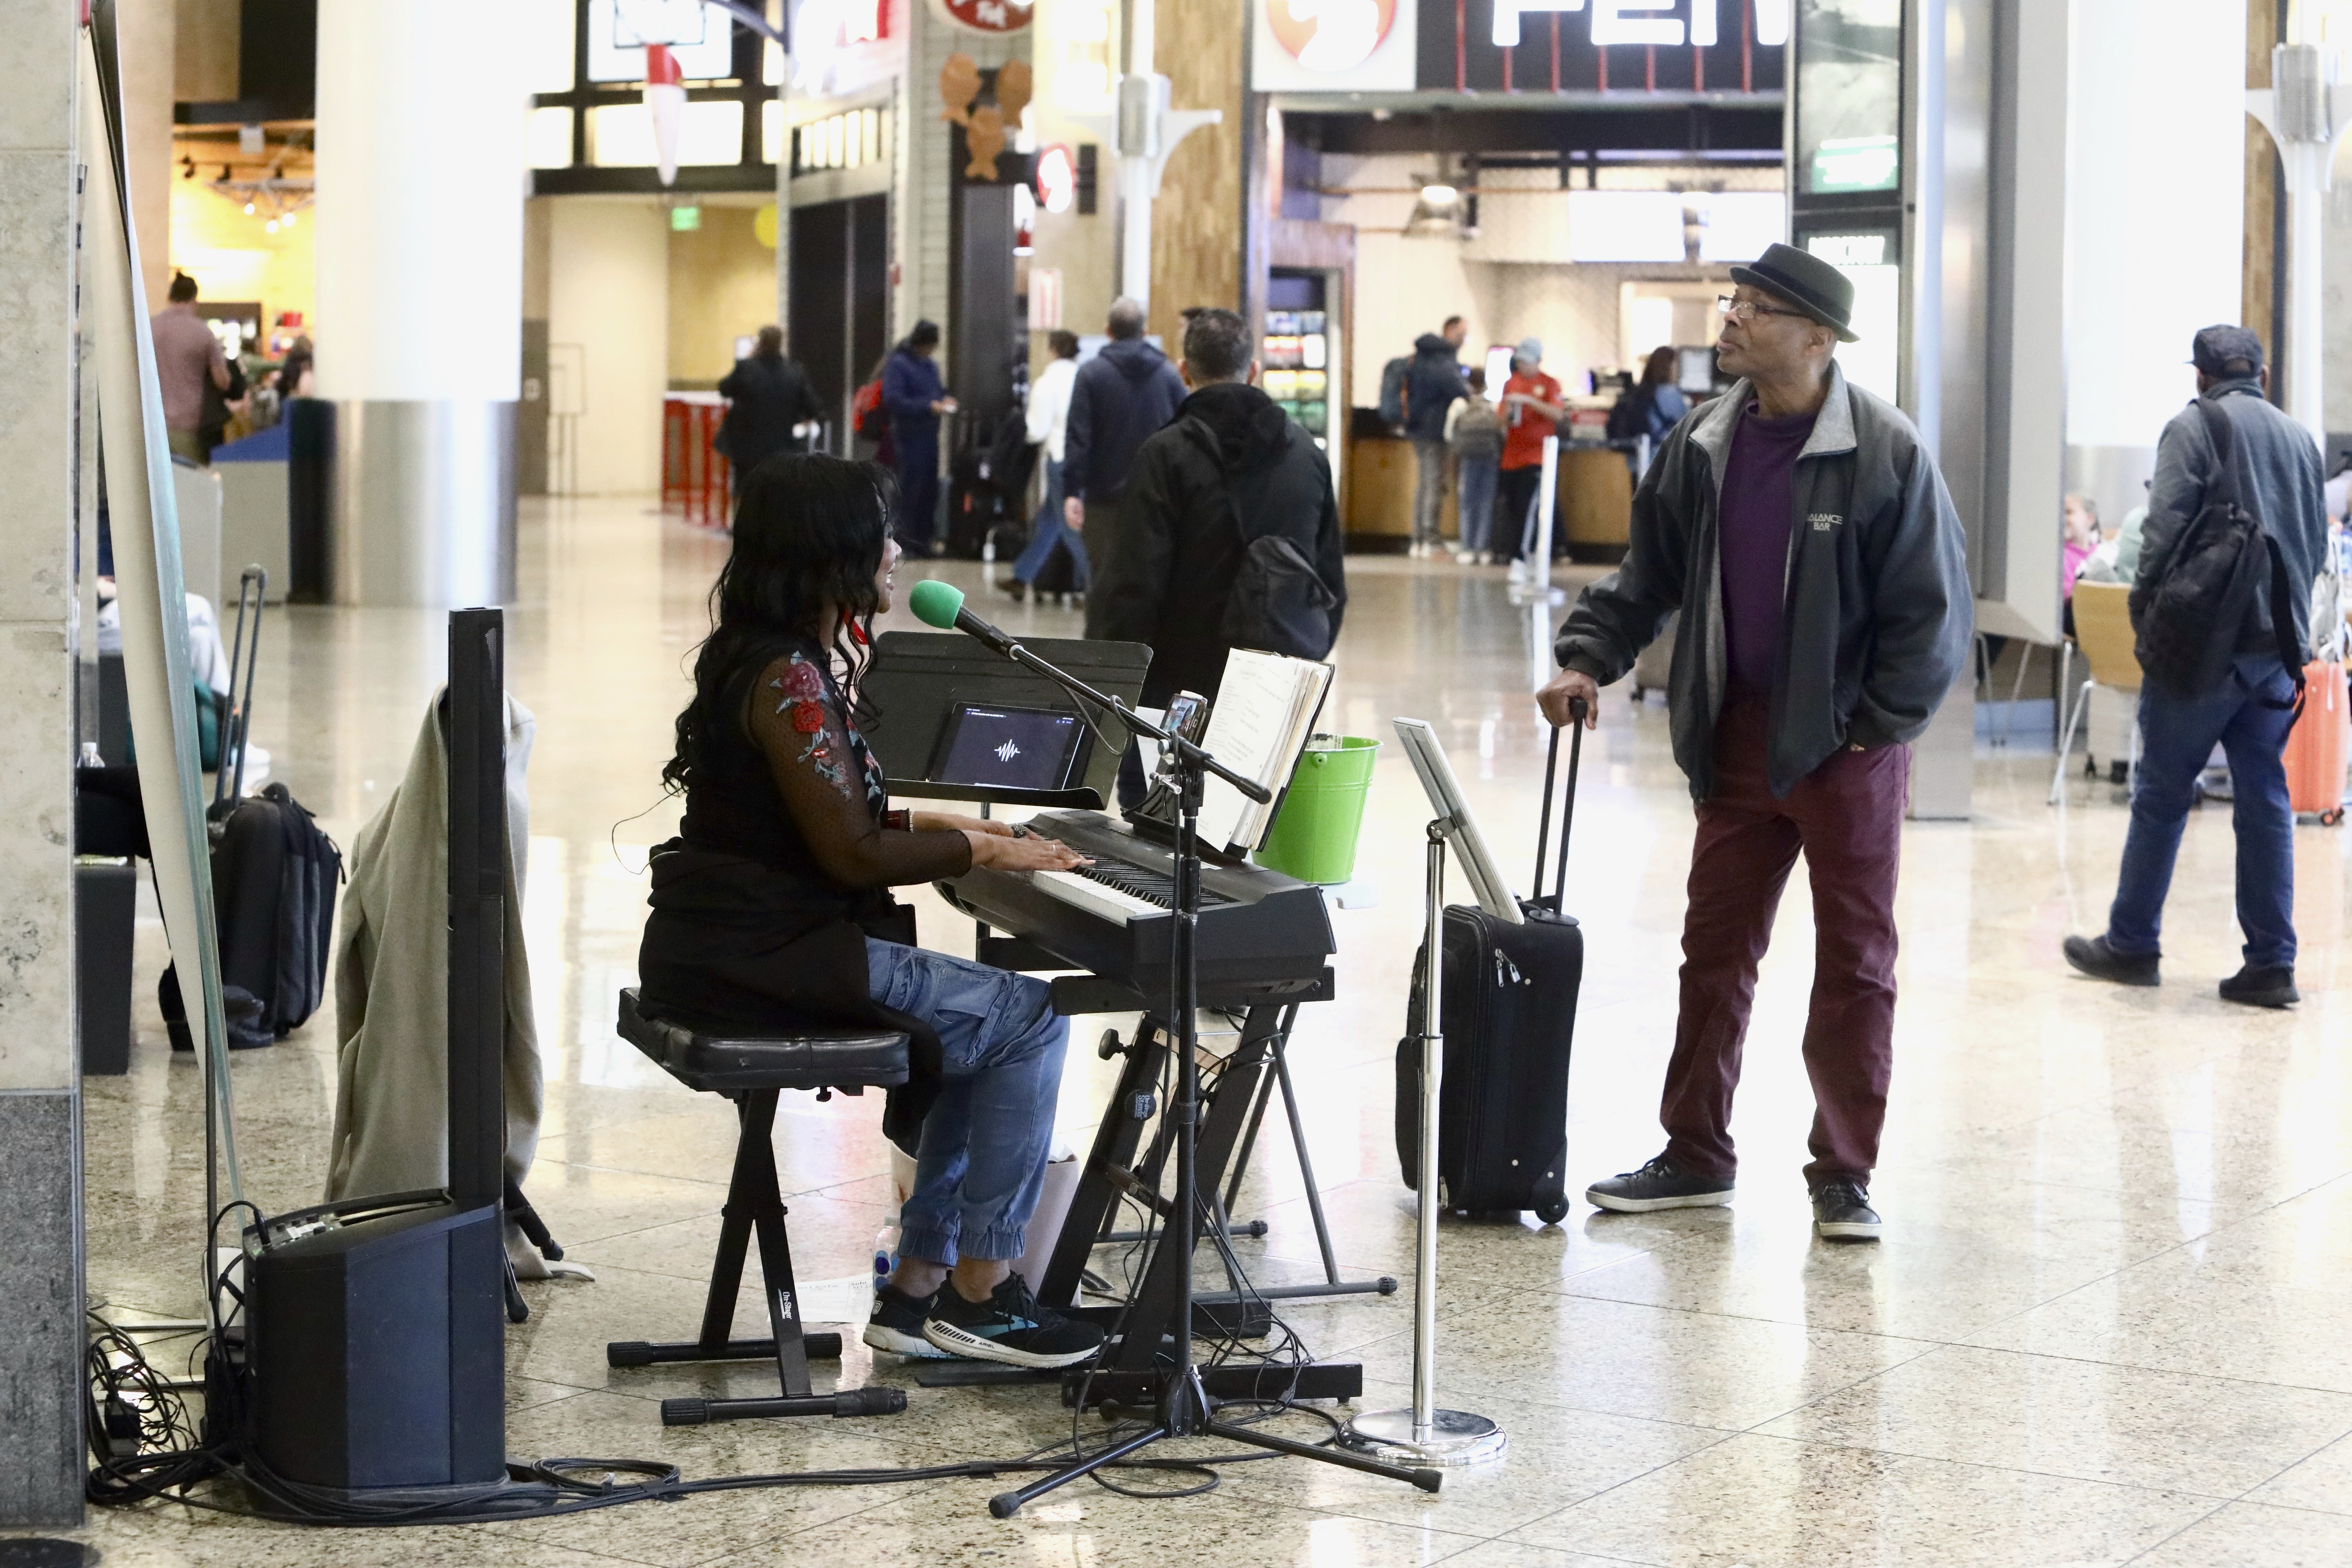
(374, 1343)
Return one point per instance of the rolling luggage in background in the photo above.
(1509, 1010)
(2320, 744)
(975, 508)
(273, 880)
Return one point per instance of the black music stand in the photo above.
(919, 677)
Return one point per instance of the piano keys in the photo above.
(1260, 935)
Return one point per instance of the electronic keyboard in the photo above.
(1260, 933)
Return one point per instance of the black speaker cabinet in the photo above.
(375, 1336)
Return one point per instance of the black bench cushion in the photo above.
(724, 1064)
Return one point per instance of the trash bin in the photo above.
(1314, 836)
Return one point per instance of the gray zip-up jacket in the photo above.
(2280, 484)
(1877, 606)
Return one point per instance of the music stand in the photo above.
(918, 677)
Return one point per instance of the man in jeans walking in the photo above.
(1432, 386)
(1806, 537)
(2249, 712)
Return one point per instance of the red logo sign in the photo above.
(1332, 36)
(990, 15)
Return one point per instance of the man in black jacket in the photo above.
(1231, 467)
(2249, 712)
(1430, 388)
(1806, 537)
(1122, 396)
(767, 395)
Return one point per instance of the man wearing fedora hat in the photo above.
(1804, 534)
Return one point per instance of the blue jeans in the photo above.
(1474, 493)
(1045, 531)
(982, 1160)
(2176, 736)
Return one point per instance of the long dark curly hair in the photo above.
(809, 531)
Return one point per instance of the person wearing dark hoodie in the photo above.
(1430, 389)
(767, 397)
(1230, 466)
(1122, 394)
(915, 398)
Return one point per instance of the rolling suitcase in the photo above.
(2319, 746)
(273, 880)
(1509, 1010)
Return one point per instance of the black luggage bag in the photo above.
(1508, 1007)
(274, 879)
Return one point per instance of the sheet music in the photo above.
(1263, 707)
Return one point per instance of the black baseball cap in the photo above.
(2214, 349)
(1806, 281)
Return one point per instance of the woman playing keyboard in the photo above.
(773, 905)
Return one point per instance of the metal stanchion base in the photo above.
(1451, 1437)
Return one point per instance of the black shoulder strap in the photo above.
(2218, 431)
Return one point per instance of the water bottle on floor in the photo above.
(886, 1255)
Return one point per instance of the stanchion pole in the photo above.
(1424, 1433)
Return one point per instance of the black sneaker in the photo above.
(895, 1324)
(2093, 957)
(1010, 1327)
(1841, 1212)
(2263, 985)
(1657, 1185)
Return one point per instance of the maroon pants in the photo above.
(1847, 818)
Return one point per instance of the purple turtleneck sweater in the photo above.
(1758, 511)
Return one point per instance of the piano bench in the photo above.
(790, 1059)
(752, 1070)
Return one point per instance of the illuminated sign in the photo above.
(1658, 23)
(989, 16)
(1335, 46)
(1330, 37)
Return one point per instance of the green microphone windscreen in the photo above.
(935, 602)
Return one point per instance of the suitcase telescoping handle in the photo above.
(1568, 808)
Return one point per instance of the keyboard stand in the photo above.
(1235, 1107)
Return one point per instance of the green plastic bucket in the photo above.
(1314, 836)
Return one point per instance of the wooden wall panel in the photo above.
(1197, 223)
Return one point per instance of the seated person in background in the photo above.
(2080, 540)
(771, 907)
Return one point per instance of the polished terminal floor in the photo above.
(2111, 1321)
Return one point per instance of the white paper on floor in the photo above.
(846, 1301)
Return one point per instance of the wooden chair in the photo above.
(2103, 630)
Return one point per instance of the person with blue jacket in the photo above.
(1433, 386)
(1126, 393)
(916, 398)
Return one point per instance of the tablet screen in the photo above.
(995, 747)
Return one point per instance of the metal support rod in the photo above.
(1432, 1063)
(1424, 1434)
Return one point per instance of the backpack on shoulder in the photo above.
(1280, 604)
(1393, 376)
(1629, 419)
(2188, 622)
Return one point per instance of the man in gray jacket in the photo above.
(1807, 539)
(2251, 709)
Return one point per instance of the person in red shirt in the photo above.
(1532, 410)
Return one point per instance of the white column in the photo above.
(2154, 224)
(421, 176)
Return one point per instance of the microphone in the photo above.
(940, 604)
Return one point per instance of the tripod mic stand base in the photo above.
(1451, 1437)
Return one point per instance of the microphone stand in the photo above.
(1184, 1408)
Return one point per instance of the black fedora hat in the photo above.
(1806, 281)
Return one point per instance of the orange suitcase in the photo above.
(2320, 745)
